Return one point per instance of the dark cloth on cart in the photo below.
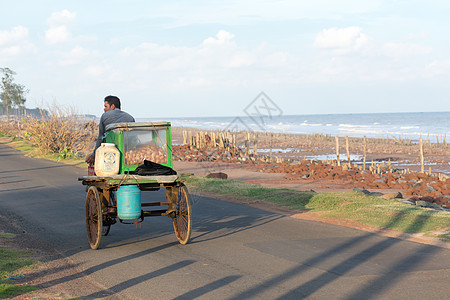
(110, 117)
(149, 168)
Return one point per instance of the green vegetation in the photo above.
(11, 263)
(444, 237)
(23, 146)
(242, 190)
(6, 235)
(12, 95)
(352, 206)
(28, 149)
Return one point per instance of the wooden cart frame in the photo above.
(101, 204)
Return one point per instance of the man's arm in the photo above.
(101, 132)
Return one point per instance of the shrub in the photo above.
(61, 131)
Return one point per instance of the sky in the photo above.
(212, 58)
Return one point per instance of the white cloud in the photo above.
(401, 50)
(58, 31)
(10, 51)
(438, 68)
(76, 55)
(97, 70)
(220, 61)
(371, 59)
(13, 36)
(63, 17)
(222, 37)
(57, 34)
(341, 40)
(14, 42)
(205, 64)
(220, 51)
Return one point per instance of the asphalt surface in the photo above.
(236, 251)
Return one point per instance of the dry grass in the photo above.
(57, 130)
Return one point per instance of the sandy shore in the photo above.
(403, 154)
(309, 162)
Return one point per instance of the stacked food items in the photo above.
(151, 152)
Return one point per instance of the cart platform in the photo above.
(129, 179)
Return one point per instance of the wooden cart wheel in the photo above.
(94, 218)
(182, 222)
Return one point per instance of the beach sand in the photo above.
(304, 162)
(299, 147)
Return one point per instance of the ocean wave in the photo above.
(409, 127)
(348, 125)
(362, 131)
(312, 125)
(354, 126)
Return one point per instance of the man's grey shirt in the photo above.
(111, 117)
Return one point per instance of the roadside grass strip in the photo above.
(26, 148)
(353, 206)
(11, 263)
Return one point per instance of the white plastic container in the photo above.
(107, 160)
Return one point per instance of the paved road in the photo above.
(237, 252)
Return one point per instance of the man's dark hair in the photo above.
(113, 100)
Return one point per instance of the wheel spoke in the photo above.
(93, 217)
(183, 219)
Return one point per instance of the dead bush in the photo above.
(61, 131)
(7, 127)
(11, 126)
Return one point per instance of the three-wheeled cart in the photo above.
(137, 142)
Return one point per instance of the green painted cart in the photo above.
(136, 142)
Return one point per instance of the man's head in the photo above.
(111, 102)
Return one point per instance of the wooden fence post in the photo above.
(270, 146)
(422, 166)
(337, 151)
(347, 148)
(364, 152)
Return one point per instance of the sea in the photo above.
(409, 125)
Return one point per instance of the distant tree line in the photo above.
(36, 112)
(12, 98)
(12, 94)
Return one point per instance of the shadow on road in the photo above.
(208, 288)
(10, 151)
(22, 189)
(341, 269)
(10, 176)
(139, 279)
(14, 181)
(110, 263)
(35, 169)
(210, 225)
